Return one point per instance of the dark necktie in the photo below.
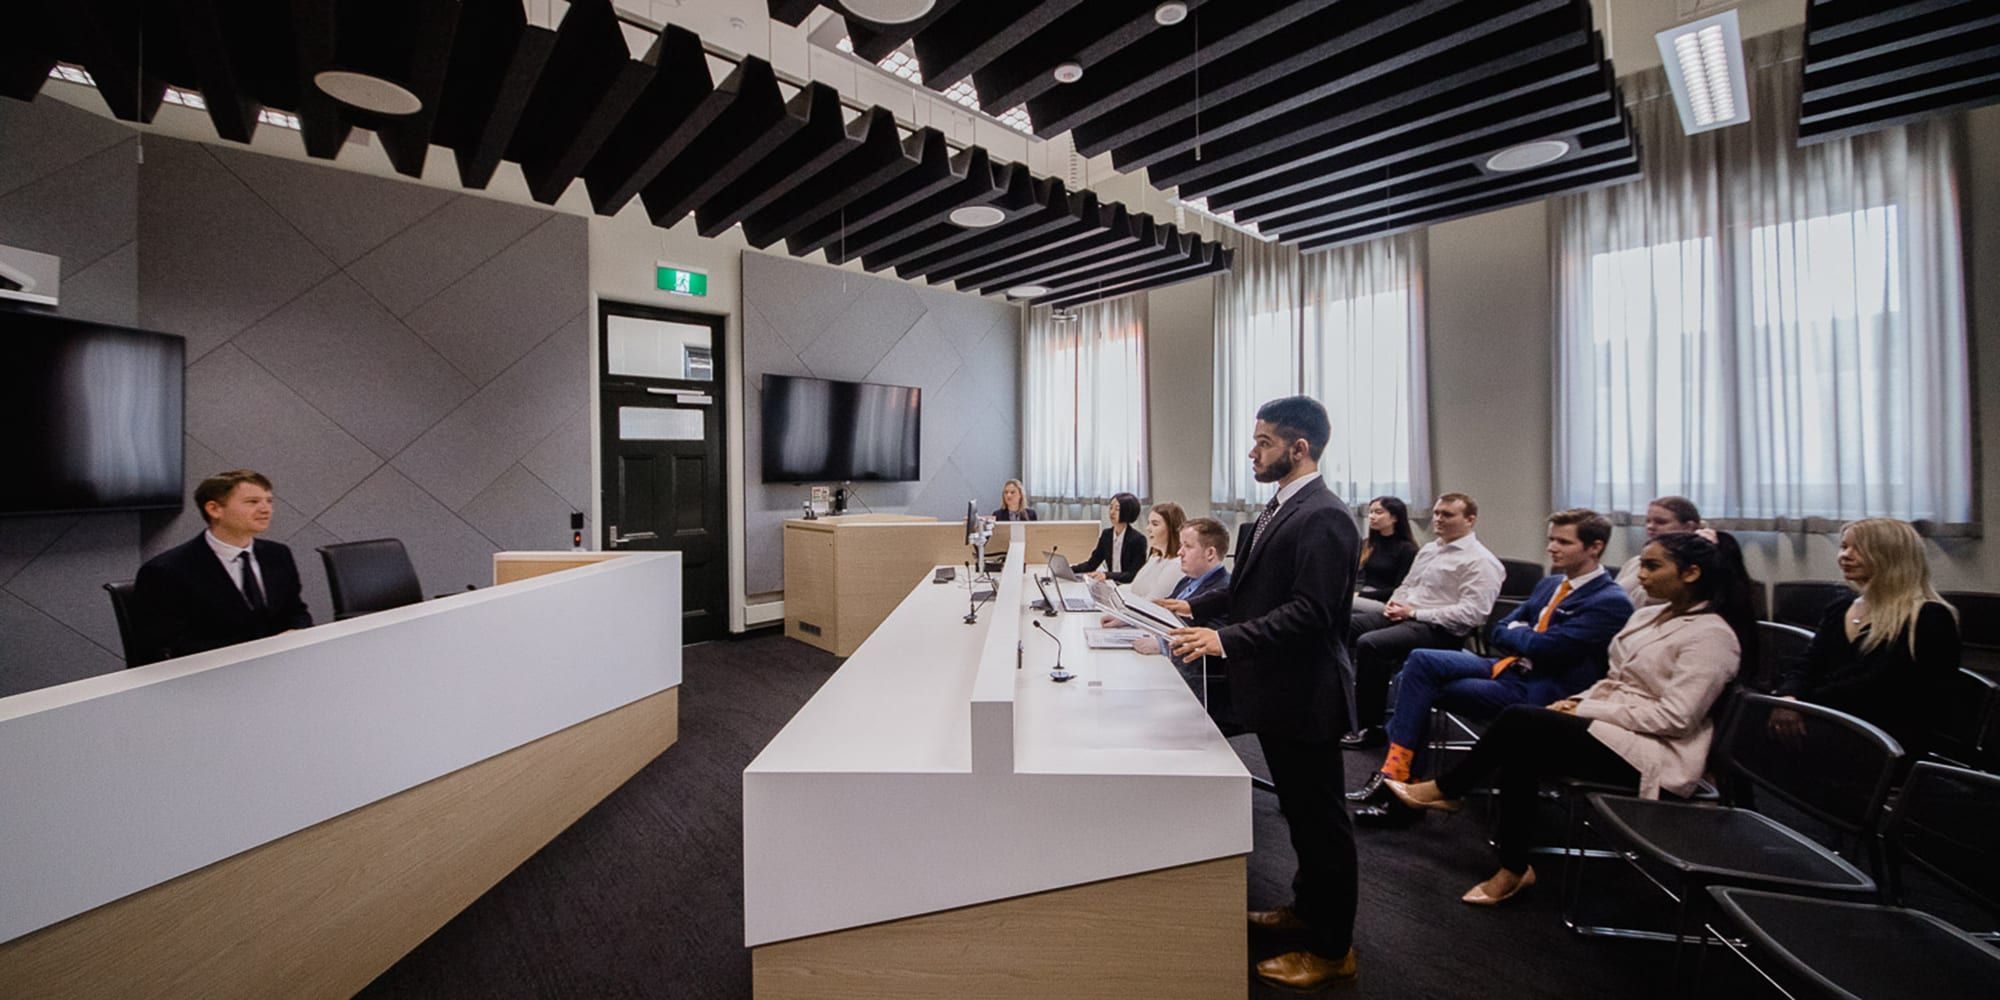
(1257, 531)
(251, 592)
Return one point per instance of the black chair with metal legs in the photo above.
(1943, 822)
(1778, 645)
(1802, 602)
(1963, 717)
(1831, 766)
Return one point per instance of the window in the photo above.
(1344, 326)
(1776, 332)
(1085, 406)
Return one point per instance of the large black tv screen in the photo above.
(92, 416)
(817, 430)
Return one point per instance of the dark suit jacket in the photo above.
(1134, 548)
(1571, 655)
(1025, 514)
(1286, 645)
(187, 601)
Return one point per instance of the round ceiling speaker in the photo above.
(369, 93)
(1528, 155)
(888, 11)
(1069, 72)
(1170, 13)
(1027, 291)
(977, 216)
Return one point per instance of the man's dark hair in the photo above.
(1590, 525)
(1211, 532)
(1295, 417)
(219, 486)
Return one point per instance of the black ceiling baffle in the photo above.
(1870, 64)
(786, 160)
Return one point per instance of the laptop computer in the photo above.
(1059, 570)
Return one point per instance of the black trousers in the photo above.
(1379, 653)
(1526, 745)
(1310, 783)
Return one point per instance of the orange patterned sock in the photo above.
(1397, 764)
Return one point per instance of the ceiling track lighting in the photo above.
(1704, 63)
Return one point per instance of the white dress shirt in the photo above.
(1158, 578)
(232, 564)
(1452, 584)
(1117, 563)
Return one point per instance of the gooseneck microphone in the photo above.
(1058, 675)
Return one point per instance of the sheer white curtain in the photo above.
(1775, 332)
(1344, 326)
(1085, 406)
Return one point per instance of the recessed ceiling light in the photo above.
(1705, 69)
(1528, 155)
(1027, 291)
(367, 92)
(1170, 13)
(1069, 72)
(888, 11)
(977, 216)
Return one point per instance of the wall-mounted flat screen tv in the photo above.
(91, 416)
(818, 431)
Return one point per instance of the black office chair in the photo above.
(1963, 718)
(124, 603)
(1978, 629)
(1521, 577)
(1943, 823)
(1779, 645)
(1760, 602)
(369, 576)
(1832, 767)
(1802, 602)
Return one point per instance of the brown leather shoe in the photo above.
(1280, 919)
(1303, 970)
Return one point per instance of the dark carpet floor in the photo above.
(643, 896)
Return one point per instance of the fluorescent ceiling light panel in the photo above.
(1704, 61)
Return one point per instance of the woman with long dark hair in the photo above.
(1387, 549)
(1646, 723)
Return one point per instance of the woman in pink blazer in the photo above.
(1645, 724)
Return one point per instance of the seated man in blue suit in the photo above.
(225, 585)
(1554, 646)
(1203, 541)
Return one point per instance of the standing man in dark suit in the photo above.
(225, 585)
(1283, 652)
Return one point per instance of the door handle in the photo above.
(637, 536)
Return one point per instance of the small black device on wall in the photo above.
(576, 531)
(818, 430)
(94, 416)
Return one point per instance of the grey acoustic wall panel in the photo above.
(822, 322)
(402, 361)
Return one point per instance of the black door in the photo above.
(661, 388)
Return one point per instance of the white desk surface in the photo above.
(866, 807)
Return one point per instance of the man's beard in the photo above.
(1277, 470)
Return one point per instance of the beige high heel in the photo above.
(1478, 896)
(1401, 791)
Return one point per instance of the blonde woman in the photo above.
(1885, 653)
(1162, 571)
(1664, 516)
(1014, 503)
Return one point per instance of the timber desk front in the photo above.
(288, 817)
(943, 820)
(844, 574)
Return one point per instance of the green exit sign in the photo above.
(681, 280)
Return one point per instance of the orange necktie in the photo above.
(1541, 625)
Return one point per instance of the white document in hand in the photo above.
(1137, 612)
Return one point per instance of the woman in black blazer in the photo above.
(1014, 503)
(1121, 538)
(1387, 550)
(1887, 653)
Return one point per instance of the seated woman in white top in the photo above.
(1664, 516)
(1645, 724)
(1162, 571)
